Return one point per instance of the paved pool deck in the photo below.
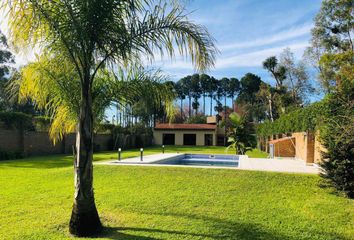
(148, 159)
(289, 165)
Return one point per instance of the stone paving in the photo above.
(289, 165)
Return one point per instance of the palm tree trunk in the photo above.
(84, 217)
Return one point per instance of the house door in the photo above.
(208, 139)
(189, 139)
(168, 139)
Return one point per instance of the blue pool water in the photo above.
(203, 160)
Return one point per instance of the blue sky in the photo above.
(247, 32)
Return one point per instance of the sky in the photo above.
(246, 32)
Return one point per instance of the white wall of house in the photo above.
(200, 136)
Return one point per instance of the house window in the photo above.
(208, 139)
(168, 139)
(189, 139)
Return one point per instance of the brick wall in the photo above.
(307, 146)
(284, 147)
(11, 140)
(38, 143)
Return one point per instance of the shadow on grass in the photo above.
(219, 229)
(42, 162)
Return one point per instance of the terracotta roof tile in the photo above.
(181, 126)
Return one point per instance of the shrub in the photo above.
(197, 119)
(8, 155)
(337, 136)
(17, 120)
(41, 123)
(300, 120)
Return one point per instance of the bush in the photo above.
(300, 120)
(8, 155)
(41, 123)
(17, 120)
(337, 136)
(197, 119)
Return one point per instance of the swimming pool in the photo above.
(202, 160)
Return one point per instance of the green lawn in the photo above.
(170, 202)
(255, 153)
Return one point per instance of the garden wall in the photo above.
(38, 143)
(307, 146)
(30, 143)
(284, 147)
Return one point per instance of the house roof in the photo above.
(182, 126)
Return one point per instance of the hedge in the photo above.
(300, 120)
(16, 120)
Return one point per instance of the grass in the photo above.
(255, 153)
(171, 203)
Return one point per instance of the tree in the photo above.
(224, 88)
(334, 26)
(312, 56)
(333, 30)
(211, 89)
(267, 95)
(331, 34)
(239, 135)
(187, 83)
(247, 98)
(204, 82)
(6, 60)
(91, 34)
(181, 93)
(196, 91)
(218, 95)
(278, 71)
(233, 90)
(297, 79)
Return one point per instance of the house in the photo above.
(185, 134)
(208, 134)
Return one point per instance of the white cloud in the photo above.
(255, 59)
(266, 40)
(250, 59)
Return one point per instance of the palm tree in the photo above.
(93, 34)
(277, 71)
(238, 136)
